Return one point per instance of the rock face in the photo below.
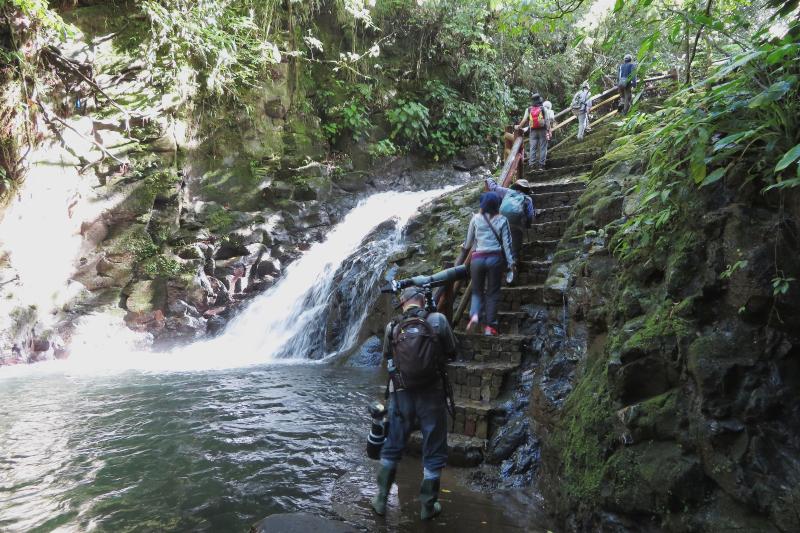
(679, 407)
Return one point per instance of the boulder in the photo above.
(300, 523)
(146, 296)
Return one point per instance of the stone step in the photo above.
(510, 321)
(559, 185)
(532, 272)
(504, 348)
(553, 214)
(547, 200)
(462, 451)
(474, 418)
(546, 230)
(592, 142)
(513, 298)
(539, 249)
(554, 172)
(473, 380)
(579, 158)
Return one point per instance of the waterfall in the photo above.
(287, 322)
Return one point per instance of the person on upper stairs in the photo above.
(536, 119)
(550, 118)
(516, 204)
(492, 254)
(626, 81)
(581, 106)
(416, 345)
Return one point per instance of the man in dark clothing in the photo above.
(516, 224)
(626, 81)
(425, 405)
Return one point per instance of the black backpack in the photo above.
(417, 353)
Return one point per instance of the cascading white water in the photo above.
(285, 322)
(41, 230)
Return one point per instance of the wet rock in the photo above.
(369, 354)
(352, 181)
(470, 158)
(230, 248)
(300, 523)
(507, 440)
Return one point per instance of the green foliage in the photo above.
(221, 221)
(161, 182)
(39, 10)
(160, 266)
(383, 148)
(741, 122)
(142, 248)
(226, 42)
(410, 121)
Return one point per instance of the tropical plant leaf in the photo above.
(774, 92)
(788, 158)
(729, 140)
(785, 184)
(714, 176)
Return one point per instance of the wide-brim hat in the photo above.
(521, 184)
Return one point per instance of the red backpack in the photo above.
(537, 117)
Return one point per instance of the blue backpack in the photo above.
(513, 207)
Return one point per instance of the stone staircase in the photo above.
(488, 368)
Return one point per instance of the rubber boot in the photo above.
(429, 496)
(385, 480)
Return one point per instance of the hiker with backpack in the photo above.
(516, 204)
(581, 105)
(550, 118)
(536, 119)
(416, 346)
(492, 255)
(626, 81)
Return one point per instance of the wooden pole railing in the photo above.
(514, 140)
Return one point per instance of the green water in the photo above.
(202, 451)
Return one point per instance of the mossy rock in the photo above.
(652, 478)
(146, 296)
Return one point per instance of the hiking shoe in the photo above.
(489, 331)
(472, 323)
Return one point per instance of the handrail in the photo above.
(514, 142)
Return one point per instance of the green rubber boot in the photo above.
(429, 496)
(385, 480)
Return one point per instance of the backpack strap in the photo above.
(496, 235)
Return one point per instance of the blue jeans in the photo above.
(429, 408)
(487, 274)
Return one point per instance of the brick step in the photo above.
(554, 172)
(473, 380)
(546, 230)
(513, 298)
(505, 348)
(532, 272)
(539, 249)
(474, 419)
(510, 321)
(462, 451)
(553, 214)
(547, 200)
